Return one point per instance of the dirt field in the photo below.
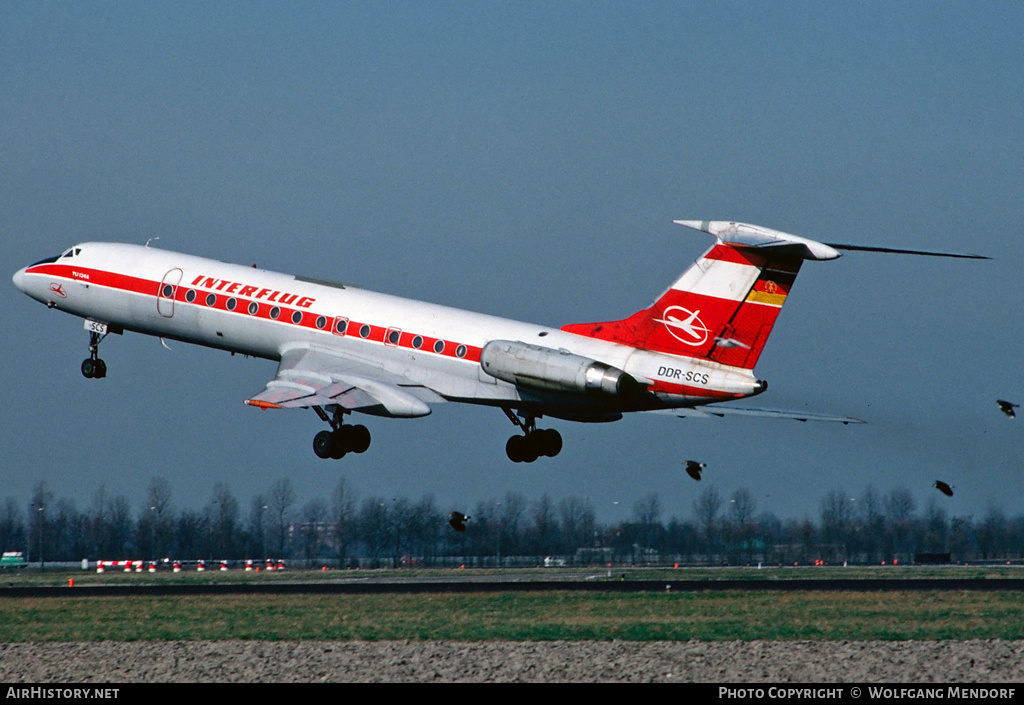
(951, 662)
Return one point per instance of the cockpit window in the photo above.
(71, 252)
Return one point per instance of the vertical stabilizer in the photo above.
(724, 306)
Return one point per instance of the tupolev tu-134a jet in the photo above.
(342, 349)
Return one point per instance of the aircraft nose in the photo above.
(19, 279)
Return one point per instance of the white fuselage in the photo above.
(263, 313)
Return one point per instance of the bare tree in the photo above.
(121, 525)
(836, 525)
(375, 527)
(315, 528)
(961, 539)
(899, 509)
(936, 528)
(427, 524)
(682, 538)
(769, 528)
(544, 529)
(706, 508)
(66, 526)
(344, 519)
(647, 514)
(12, 526)
(400, 529)
(513, 513)
(871, 531)
(578, 524)
(991, 532)
(156, 520)
(741, 512)
(96, 527)
(222, 521)
(280, 500)
(39, 535)
(190, 534)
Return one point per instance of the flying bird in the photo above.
(943, 488)
(458, 521)
(693, 469)
(1007, 407)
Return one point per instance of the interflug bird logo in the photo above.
(684, 325)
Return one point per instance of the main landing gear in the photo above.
(93, 367)
(341, 439)
(534, 442)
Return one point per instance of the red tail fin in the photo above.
(722, 308)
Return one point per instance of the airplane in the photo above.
(341, 349)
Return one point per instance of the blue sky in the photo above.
(526, 160)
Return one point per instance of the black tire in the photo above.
(549, 441)
(515, 449)
(323, 444)
(531, 447)
(101, 369)
(338, 445)
(359, 439)
(88, 368)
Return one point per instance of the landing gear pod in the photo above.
(538, 367)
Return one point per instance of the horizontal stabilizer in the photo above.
(756, 236)
(747, 235)
(897, 251)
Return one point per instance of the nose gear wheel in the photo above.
(93, 367)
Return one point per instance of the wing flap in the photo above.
(309, 377)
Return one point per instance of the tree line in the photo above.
(345, 531)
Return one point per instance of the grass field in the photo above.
(710, 615)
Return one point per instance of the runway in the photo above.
(359, 586)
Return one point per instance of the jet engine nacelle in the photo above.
(538, 367)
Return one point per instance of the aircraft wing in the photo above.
(722, 410)
(309, 376)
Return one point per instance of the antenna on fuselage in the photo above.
(151, 240)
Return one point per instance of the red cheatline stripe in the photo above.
(98, 277)
(136, 285)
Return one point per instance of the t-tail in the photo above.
(724, 306)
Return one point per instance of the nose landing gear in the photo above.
(93, 367)
(534, 442)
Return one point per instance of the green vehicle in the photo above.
(12, 559)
